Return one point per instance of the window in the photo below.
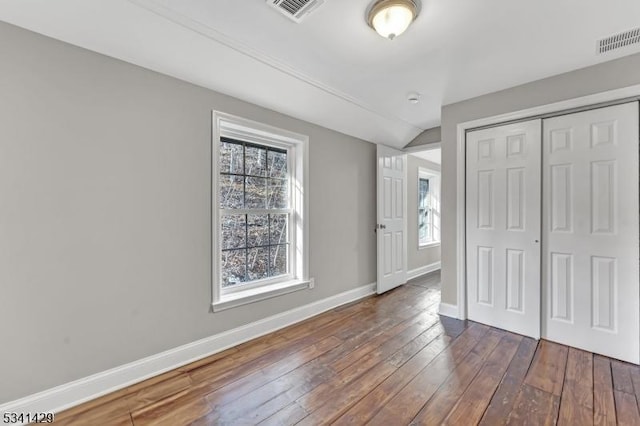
(428, 207)
(260, 232)
(254, 212)
(425, 221)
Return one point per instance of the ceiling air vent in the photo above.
(618, 41)
(295, 10)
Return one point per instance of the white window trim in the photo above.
(429, 245)
(227, 125)
(433, 176)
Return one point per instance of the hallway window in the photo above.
(428, 207)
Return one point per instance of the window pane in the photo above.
(422, 228)
(278, 194)
(258, 263)
(231, 158)
(256, 195)
(256, 161)
(233, 267)
(279, 228)
(258, 230)
(277, 164)
(424, 211)
(231, 191)
(279, 260)
(233, 231)
(423, 193)
(254, 246)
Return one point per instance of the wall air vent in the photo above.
(295, 10)
(618, 41)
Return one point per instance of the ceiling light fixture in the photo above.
(390, 18)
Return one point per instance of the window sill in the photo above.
(428, 245)
(252, 295)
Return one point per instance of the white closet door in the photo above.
(590, 262)
(503, 227)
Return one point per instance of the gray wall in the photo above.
(433, 135)
(417, 257)
(606, 76)
(105, 213)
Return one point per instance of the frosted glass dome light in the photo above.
(390, 18)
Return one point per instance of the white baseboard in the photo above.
(414, 273)
(448, 310)
(74, 393)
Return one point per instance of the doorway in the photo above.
(424, 213)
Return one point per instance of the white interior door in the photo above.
(590, 262)
(392, 218)
(503, 227)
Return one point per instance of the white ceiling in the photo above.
(433, 155)
(332, 69)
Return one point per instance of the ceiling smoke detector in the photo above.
(413, 98)
(296, 10)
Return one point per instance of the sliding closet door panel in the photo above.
(590, 231)
(503, 227)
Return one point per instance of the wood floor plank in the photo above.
(388, 360)
(635, 379)
(179, 411)
(223, 372)
(288, 388)
(300, 336)
(290, 415)
(359, 366)
(296, 383)
(270, 404)
(122, 420)
(416, 345)
(626, 408)
(475, 399)
(208, 360)
(232, 392)
(398, 335)
(348, 395)
(403, 406)
(368, 406)
(111, 405)
(436, 409)
(576, 404)
(534, 407)
(270, 373)
(627, 412)
(114, 411)
(505, 396)
(401, 310)
(604, 408)
(621, 373)
(548, 368)
(158, 391)
(343, 398)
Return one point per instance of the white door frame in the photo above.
(461, 149)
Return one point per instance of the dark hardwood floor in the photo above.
(386, 360)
